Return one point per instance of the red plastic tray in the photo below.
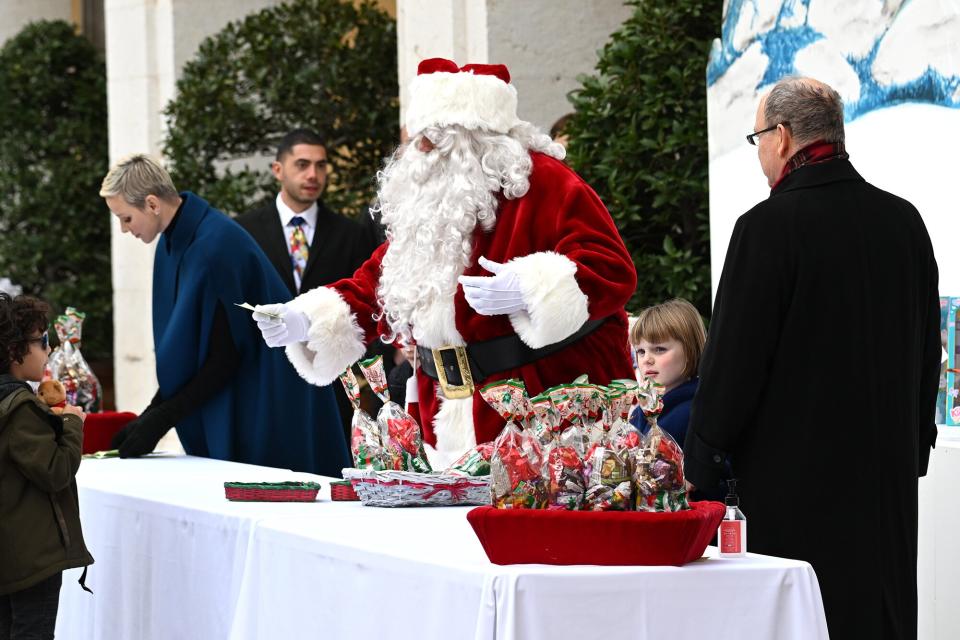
(534, 536)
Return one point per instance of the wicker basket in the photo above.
(410, 489)
(271, 491)
(342, 491)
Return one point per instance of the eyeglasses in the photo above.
(752, 137)
(44, 340)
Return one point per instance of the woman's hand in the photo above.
(76, 411)
(141, 435)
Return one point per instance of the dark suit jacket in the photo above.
(819, 380)
(340, 245)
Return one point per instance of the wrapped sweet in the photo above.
(475, 462)
(399, 432)
(564, 470)
(67, 364)
(658, 465)
(607, 463)
(563, 467)
(365, 445)
(517, 460)
(626, 437)
(546, 421)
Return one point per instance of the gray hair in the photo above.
(813, 109)
(137, 176)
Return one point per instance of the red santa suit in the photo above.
(572, 267)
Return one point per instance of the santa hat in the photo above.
(474, 96)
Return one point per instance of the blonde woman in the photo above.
(228, 394)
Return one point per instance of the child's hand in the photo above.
(77, 411)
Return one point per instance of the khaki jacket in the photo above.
(39, 514)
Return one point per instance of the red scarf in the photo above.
(814, 153)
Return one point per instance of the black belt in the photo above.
(492, 356)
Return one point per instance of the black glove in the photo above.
(141, 436)
(122, 434)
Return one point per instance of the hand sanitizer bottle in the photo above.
(732, 535)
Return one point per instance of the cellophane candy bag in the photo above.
(607, 465)
(517, 459)
(658, 473)
(67, 364)
(365, 445)
(545, 421)
(399, 432)
(475, 462)
(564, 466)
(580, 408)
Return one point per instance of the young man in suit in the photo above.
(308, 244)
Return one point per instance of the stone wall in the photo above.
(545, 43)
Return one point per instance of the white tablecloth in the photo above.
(177, 560)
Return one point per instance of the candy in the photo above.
(564, 470)
(509, 399)
(658, 472)
(365, 445)
(607, 464)
(67, 364)
(399, 432)
(515, 466)
(475, 462)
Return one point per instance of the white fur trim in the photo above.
(436, 326)
(472, 101)
(453, 426)
(335, 340)
(556, 307)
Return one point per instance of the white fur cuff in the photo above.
(556, 307)
(335, 340)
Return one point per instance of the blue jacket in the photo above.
(267, 414)
(676, 411)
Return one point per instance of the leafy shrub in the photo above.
(54, 228)
(639, 137)
(323, 64)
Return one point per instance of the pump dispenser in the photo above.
(732, 535)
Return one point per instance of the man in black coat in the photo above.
(819, 378)
(335, 246)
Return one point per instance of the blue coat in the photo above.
(676, 411)
(266, 414)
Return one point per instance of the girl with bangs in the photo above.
(668, 339)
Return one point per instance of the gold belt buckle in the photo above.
(454, 391)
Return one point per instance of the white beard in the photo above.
(431, 203)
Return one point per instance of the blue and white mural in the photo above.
(896, 63)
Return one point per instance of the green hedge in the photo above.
(323, 64)
(54, 228)
(639, 137)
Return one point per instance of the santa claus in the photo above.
(500, 262)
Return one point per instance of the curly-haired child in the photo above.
(40, 532)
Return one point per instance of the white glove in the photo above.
(494, 295)
(281, 325)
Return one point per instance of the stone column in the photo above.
(545, 43)
(147, 44)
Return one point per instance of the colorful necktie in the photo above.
(299, 251)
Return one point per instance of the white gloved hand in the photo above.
(494, 295)
(281, 325)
